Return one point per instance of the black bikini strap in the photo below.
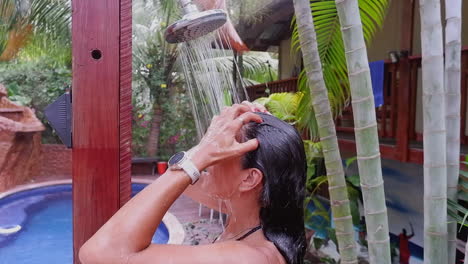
(253, 230)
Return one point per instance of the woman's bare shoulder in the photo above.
(232, 252)
(268, 250)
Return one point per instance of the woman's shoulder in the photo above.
(267, 250)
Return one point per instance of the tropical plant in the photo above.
(153, 61)
(453, 12)
(367, 141)
(331, 50)
(463, 183)
(435, 166)
(36, 84)
(282, 105)
(326, 128)
(459, 214)
(21, 20)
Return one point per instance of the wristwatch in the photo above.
(181, 161)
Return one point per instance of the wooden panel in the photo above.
(125, 114)
(96, 142)
(281, 86)
(349, 146)
(414, 66)
(404, 88)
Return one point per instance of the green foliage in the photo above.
(282, 105)
(50, 18)
(455, 210)
(157, 83)
(43, 46)
(463, 182)
(178, 132)
(36, 84)
(331, 50)
(257, 67)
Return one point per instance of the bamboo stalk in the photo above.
(453, 13)
(435, 166)
(319, 94)
(367, 141)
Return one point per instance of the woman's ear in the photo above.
(251, 180)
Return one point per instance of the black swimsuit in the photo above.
(251, 231)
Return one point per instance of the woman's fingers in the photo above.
(236, 110)
(245, 118)
(247, 146)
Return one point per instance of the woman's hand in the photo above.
(220, 142)
(256, 107)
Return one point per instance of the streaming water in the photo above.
(209, 68)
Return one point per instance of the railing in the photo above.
(264, 89)
(386, 114)
(396, 118)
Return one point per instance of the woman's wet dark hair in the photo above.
(281, 158)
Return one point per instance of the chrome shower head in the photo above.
(194, 23)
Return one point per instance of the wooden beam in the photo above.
(404, 85)
(101, 36)
(349, 146)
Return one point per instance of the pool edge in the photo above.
(175, 228)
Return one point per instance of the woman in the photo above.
(255, 163)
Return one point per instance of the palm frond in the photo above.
(331, 50)
(51, 16)
(282, 105)
(455, 210)
(22, 20)
(258, 67)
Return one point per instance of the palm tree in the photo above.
(453, 102)
(435, 167)
(327, 132)
(367, 141)
(21, 20)
(332, 55)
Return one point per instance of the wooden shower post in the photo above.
(404, 83)
(101, 96)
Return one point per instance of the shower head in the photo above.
(194, 23)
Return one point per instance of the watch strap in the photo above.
(187, 165)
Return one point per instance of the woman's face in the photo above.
(223, 179)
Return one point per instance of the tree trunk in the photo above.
(435, 166)
(321, 104)
(452, 106)
(153, 138)
(367, 141)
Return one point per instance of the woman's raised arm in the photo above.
(126, 237)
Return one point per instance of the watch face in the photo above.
(176, 158)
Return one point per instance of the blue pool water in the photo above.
(45, 217)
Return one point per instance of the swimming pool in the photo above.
(36, 225)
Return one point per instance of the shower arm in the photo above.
(187, 7)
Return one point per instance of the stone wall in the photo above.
(56, 162)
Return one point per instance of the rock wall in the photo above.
(20, 143)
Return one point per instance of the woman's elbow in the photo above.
(87, 255)
(90, 253)
(99, 252)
